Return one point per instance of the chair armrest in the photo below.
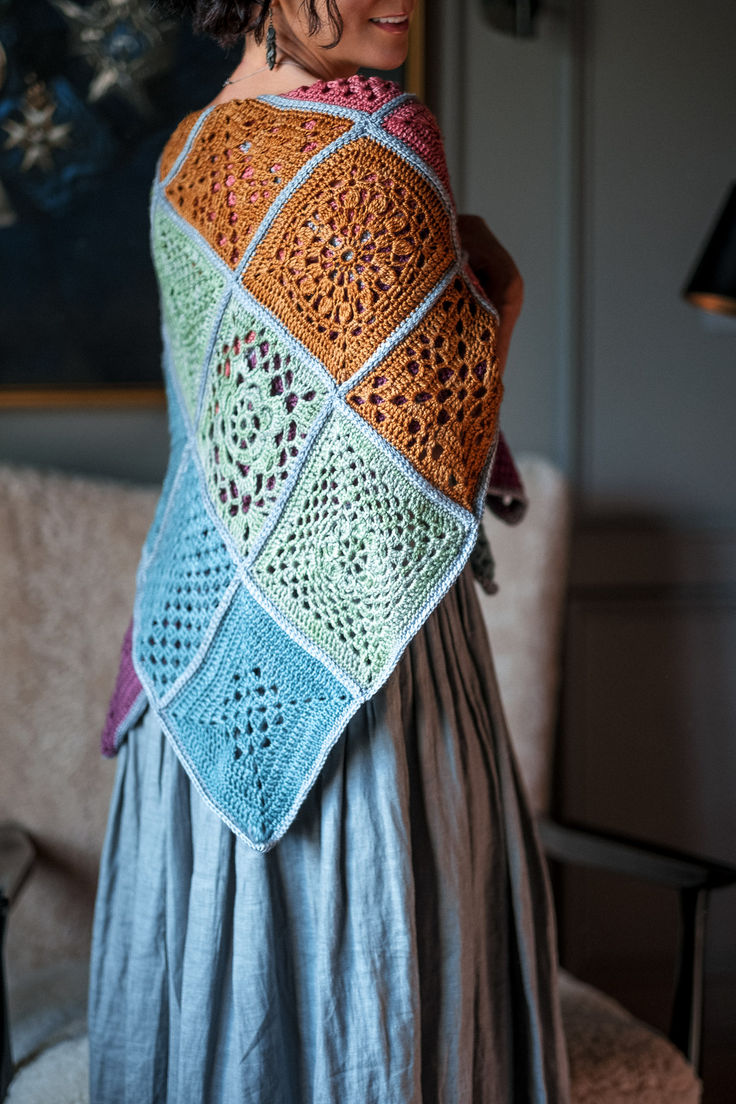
(580, 846)
(691, 875)
(17, 854)
(16, 859)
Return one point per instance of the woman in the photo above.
(326, 890)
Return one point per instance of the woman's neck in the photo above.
(245, 84)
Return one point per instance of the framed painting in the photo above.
(89, 93)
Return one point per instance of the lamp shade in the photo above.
(712, 284)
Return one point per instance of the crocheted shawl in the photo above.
(333, 402)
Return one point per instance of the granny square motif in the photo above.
(190, 296)
(353, 252)
(430, 395)
(260, 403)
(241, 158)
(333, 402)
(355, 556)
(230, 718)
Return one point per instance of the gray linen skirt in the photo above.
(395, 947)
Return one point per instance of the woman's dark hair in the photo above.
(228, 20)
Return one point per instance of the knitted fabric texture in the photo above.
(333, 401)
(128, 700)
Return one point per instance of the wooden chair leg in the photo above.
(686, 1026)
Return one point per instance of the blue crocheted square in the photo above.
(181, 585)
(254, 723)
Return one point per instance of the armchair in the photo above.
(65, 592)
(614, 1058)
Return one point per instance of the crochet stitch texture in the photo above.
(333, 402)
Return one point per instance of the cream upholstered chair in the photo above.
(68, 552)
(66, 582)
(614, 1058)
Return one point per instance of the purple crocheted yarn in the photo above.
(506, 496)
(128, 699)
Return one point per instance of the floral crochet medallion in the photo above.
(333, 402)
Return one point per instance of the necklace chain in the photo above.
(261, 70)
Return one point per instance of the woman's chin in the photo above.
(386, 60)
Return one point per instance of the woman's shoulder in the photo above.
(356, 93)
(342, 97)
(370, 95)
(176, 143)
(401, 115)
(274, 136)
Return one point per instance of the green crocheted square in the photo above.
(357, 551)
(191, 290)
(259, 406)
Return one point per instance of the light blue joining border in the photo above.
(146, 558)
(131, 717)
(485, 478)
(396, 458)
(312, 106)
(406, 153)
(284, 334)
(184, 152)
(400, 332)
(281, 503)
(299, 177)
(325, 108)
(297, 635)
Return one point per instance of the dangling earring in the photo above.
(270, 40)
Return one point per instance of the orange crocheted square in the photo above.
(436, 395)
(354, 250)
(176, 144)
(246, 152)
